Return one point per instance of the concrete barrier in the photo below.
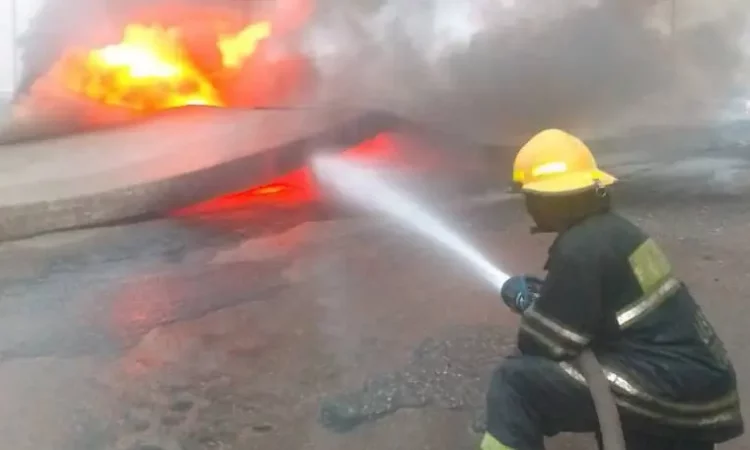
(185, 156)
(168, 162)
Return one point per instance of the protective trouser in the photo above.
(531, 397)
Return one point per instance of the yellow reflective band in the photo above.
(572, 372)
(649, 265)
(549, 168)
(490, 443)
(629, 387)
(723, 410)
(644, 305)
(722, 418)
(557, 328)
(556, 350)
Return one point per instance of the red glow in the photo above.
(382, 149)
(179, 55)
(299, 186)
(269, 189)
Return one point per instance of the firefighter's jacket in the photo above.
(609, 287)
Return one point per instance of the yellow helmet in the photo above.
(555, 162)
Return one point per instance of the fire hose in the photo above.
(519, 293)
(604, 402)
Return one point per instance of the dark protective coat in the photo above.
(609, 287)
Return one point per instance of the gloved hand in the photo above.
(520, 292)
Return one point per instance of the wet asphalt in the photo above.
(313, 317)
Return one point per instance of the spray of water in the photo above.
(363, 185)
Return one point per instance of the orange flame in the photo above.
(147, 71)
(235, 49)
(176, 54)
(150, 69)
(156, 67)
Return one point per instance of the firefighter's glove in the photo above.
(520, 292)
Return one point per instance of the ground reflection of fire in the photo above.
(168, 59)
(299, 186)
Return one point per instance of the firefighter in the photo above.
(610, 288)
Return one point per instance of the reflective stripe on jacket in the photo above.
(610, 287)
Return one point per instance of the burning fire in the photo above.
(155, 67)
(235, 49)
(148, 70)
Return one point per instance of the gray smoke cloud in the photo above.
(499, 70)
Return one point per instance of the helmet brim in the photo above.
(570, 183)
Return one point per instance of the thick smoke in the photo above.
(496, 69)
(499, 70)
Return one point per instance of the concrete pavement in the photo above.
(233, 330)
